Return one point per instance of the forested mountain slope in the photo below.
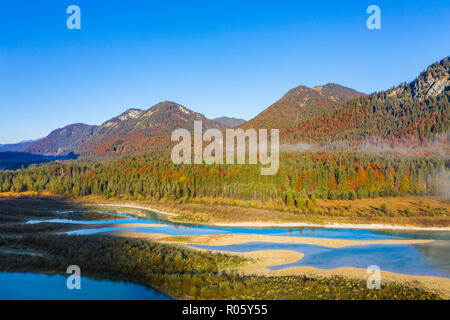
(302, 103)
(411, 113)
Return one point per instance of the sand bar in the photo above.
(229, 239)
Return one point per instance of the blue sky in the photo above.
(216, 57)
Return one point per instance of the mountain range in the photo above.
(411, 113)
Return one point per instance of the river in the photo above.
(427, 259)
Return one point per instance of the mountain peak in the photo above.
(302, 103)
(333, 85)
(167, 107)
(170, 105)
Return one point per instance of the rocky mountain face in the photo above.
(432, 82)
(62, 141)
(302, 103)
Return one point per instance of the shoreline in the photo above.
(334, 225)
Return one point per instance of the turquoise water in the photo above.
(31, 286)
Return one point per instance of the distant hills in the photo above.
(411, 113)
(230, 121)
(302, 103)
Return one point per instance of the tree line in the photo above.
(301, 179)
